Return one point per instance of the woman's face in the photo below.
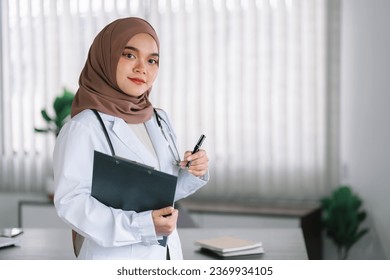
(138, 65)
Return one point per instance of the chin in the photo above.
(132, 93)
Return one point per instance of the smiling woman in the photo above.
(113, 97)
(138, 64)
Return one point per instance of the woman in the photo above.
(116, 81)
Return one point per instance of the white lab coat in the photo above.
(112, 233)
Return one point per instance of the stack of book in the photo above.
(229, 246)
(7, 237)
(8, 241)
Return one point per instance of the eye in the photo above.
(153, 61)
(128, 55)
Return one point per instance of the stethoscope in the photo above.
(176, 155)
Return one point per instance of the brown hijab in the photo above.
(98, 88)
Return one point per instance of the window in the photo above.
(250, 74)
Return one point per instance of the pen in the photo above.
(196, 148)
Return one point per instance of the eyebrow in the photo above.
(137, 50)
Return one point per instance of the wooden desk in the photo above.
(54, 243)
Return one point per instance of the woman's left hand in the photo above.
(199, 162)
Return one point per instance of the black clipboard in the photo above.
(124, 184)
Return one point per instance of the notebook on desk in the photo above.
(10, 232)
(8, 241)
(230, 246)
(124, 184)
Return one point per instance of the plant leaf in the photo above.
(41, 130)
(63, 101)
(46, 116)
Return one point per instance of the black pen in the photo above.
(196, 148)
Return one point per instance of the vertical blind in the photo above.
(250, 74)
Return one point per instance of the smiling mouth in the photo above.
(137, 81)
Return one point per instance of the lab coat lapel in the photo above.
(128, 137)
(160, 145)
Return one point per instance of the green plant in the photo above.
(342, 219)
(62, 106)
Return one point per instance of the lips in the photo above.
(137, 81)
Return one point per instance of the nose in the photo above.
(140, 67)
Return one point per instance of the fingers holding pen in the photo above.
(197, 159)
(198, 162)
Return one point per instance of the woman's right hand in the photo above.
(165, 220)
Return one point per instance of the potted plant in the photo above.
(342, 219)
(62, 106)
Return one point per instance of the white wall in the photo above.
(365, 114)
